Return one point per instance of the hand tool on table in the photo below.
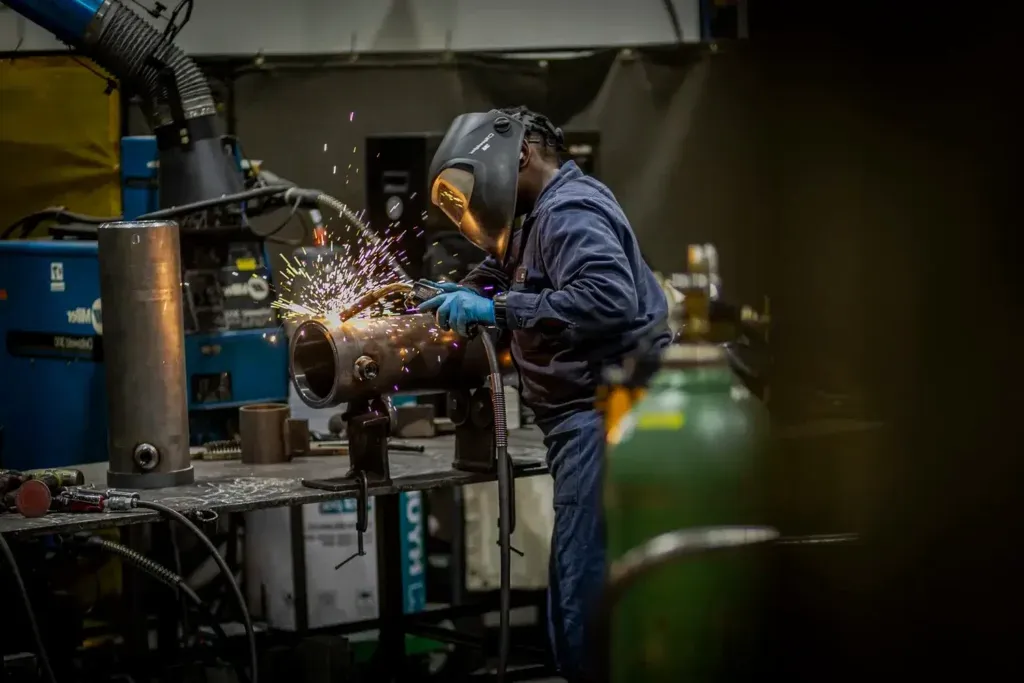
(31, 492)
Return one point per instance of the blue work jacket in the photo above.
(579, 297)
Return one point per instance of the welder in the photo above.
(572, 287)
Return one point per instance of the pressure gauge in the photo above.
(394, 207)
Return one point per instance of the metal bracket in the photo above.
(473, 416)
(368, 426)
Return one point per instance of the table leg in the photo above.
(390, 663)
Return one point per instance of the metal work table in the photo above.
(230, 486)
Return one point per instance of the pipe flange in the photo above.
(146, 456)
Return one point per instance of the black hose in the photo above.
(185, 209)
(55, 213)
(154, 569)
(168, 578)
(44, 659)
(225, 570)
(506, 481)
(136, 52)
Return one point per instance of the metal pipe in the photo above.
(144, 355)
(365, 358)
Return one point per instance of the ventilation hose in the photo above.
(177, 100)
(506, 492)
(129, 47)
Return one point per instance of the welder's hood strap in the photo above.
(474, 177)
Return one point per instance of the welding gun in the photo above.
(422, 290)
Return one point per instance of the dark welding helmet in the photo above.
(474, 177)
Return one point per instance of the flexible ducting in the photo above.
(131, 49)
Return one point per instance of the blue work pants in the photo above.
(575, 457)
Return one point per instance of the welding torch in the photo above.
(415, 294)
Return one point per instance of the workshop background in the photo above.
(823, 172)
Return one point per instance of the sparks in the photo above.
(320, 283)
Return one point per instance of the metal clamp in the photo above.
(362, 518)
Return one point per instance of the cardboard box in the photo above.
(333, 597)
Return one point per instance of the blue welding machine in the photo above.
(53, 401)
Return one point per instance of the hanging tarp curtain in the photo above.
(59, 134)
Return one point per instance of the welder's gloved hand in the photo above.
(459, 310)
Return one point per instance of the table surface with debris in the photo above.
(230, 486)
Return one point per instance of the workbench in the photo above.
(229, 486)
(225, 486)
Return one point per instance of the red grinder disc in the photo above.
(33, 499)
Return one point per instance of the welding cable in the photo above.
(506, 509)
(271, 236)
(54, 213)
(44, 659)
(237, 197)
(168, 578)
(173, 514)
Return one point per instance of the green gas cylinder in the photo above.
(687, 455)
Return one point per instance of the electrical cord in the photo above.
(185, 209)
(174, 27)
(271, 236)
(506, 506)
(170, 579)
(44, 659)
(53, 213)
(64, 216)
(225, 570)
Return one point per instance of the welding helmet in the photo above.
(474, 177)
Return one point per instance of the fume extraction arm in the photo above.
(197, 172)
(176, 97)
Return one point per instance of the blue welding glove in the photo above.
(459, 310)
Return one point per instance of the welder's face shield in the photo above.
(475, 178)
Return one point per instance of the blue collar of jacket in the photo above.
(569, 171)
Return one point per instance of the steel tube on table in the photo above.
(144, 355)
(365, 358)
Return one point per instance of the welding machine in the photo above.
(53, 401)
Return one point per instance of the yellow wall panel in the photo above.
(59, 139)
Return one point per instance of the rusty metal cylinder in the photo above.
(393, 355)
(144, 355)
(263, 428)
